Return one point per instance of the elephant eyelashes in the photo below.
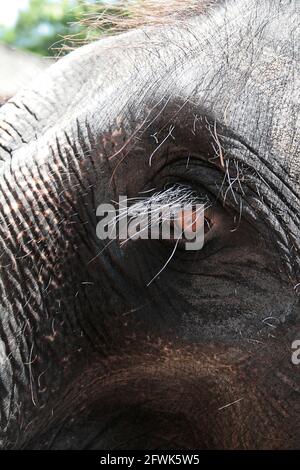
(176, 213)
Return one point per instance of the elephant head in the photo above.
(141, 343)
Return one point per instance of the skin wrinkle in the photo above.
(58, 173)
(283, 209)
(46, 258)
(279, 217)
(38, 183)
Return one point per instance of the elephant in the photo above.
(141, 343)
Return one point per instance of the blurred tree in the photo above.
(43, 25)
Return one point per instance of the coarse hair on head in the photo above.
(105, 18)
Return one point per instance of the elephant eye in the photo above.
(190, 221)
(177, 213)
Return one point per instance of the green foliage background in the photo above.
(41, 28)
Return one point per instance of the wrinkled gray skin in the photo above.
(90, 356)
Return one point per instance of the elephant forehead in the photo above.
(238, 62)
